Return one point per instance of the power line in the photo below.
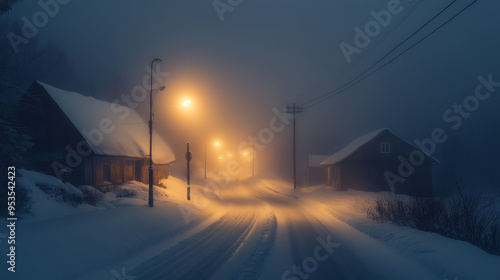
(387, 54)
(373, 65)
(359, 78)
(368, 51)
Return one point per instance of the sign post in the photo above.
(188, 159)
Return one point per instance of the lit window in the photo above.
(385, 147)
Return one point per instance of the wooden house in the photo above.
(89, 141)
(316, 173)
(381, 161)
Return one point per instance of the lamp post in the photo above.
(151, 178)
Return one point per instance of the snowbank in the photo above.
(49, 196)
(60, 241)
(446, 257)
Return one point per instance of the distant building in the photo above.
(316, 174)
(98, 143)
(373, 163)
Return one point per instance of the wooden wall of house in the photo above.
(160, 171)
(111, 171)
(333, 177)
(362, 175)
(88, 170)
(365, 168)
(369, 176)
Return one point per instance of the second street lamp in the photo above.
(151, 178)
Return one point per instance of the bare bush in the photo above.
(471, 218)
(425, 213)
(91, 195)
(395, 210)
(60, 194)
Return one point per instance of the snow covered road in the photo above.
(304, 241)
(253, 229)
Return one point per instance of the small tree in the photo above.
(6, 6)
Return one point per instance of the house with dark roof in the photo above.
(88, 141)
(381, 161)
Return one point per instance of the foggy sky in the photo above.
(266, 54)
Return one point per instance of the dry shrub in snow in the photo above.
(395, 209)
(470, 218)
(91, 195)
(62, 192)
(123, 191)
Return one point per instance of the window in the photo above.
(385, 147)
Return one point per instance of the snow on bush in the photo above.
(135, 189)
(91, 195)
(57, 198)
(53, 187)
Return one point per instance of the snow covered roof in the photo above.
(316, 160)
(122, 134)
(360, 142)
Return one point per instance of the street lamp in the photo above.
(151, 134)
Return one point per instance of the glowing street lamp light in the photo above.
(217, 143)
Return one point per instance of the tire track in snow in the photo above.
(202, 255)
(303, 229)
(252, 267)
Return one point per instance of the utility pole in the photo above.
(294, 110)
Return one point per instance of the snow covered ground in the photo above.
(252, 229)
